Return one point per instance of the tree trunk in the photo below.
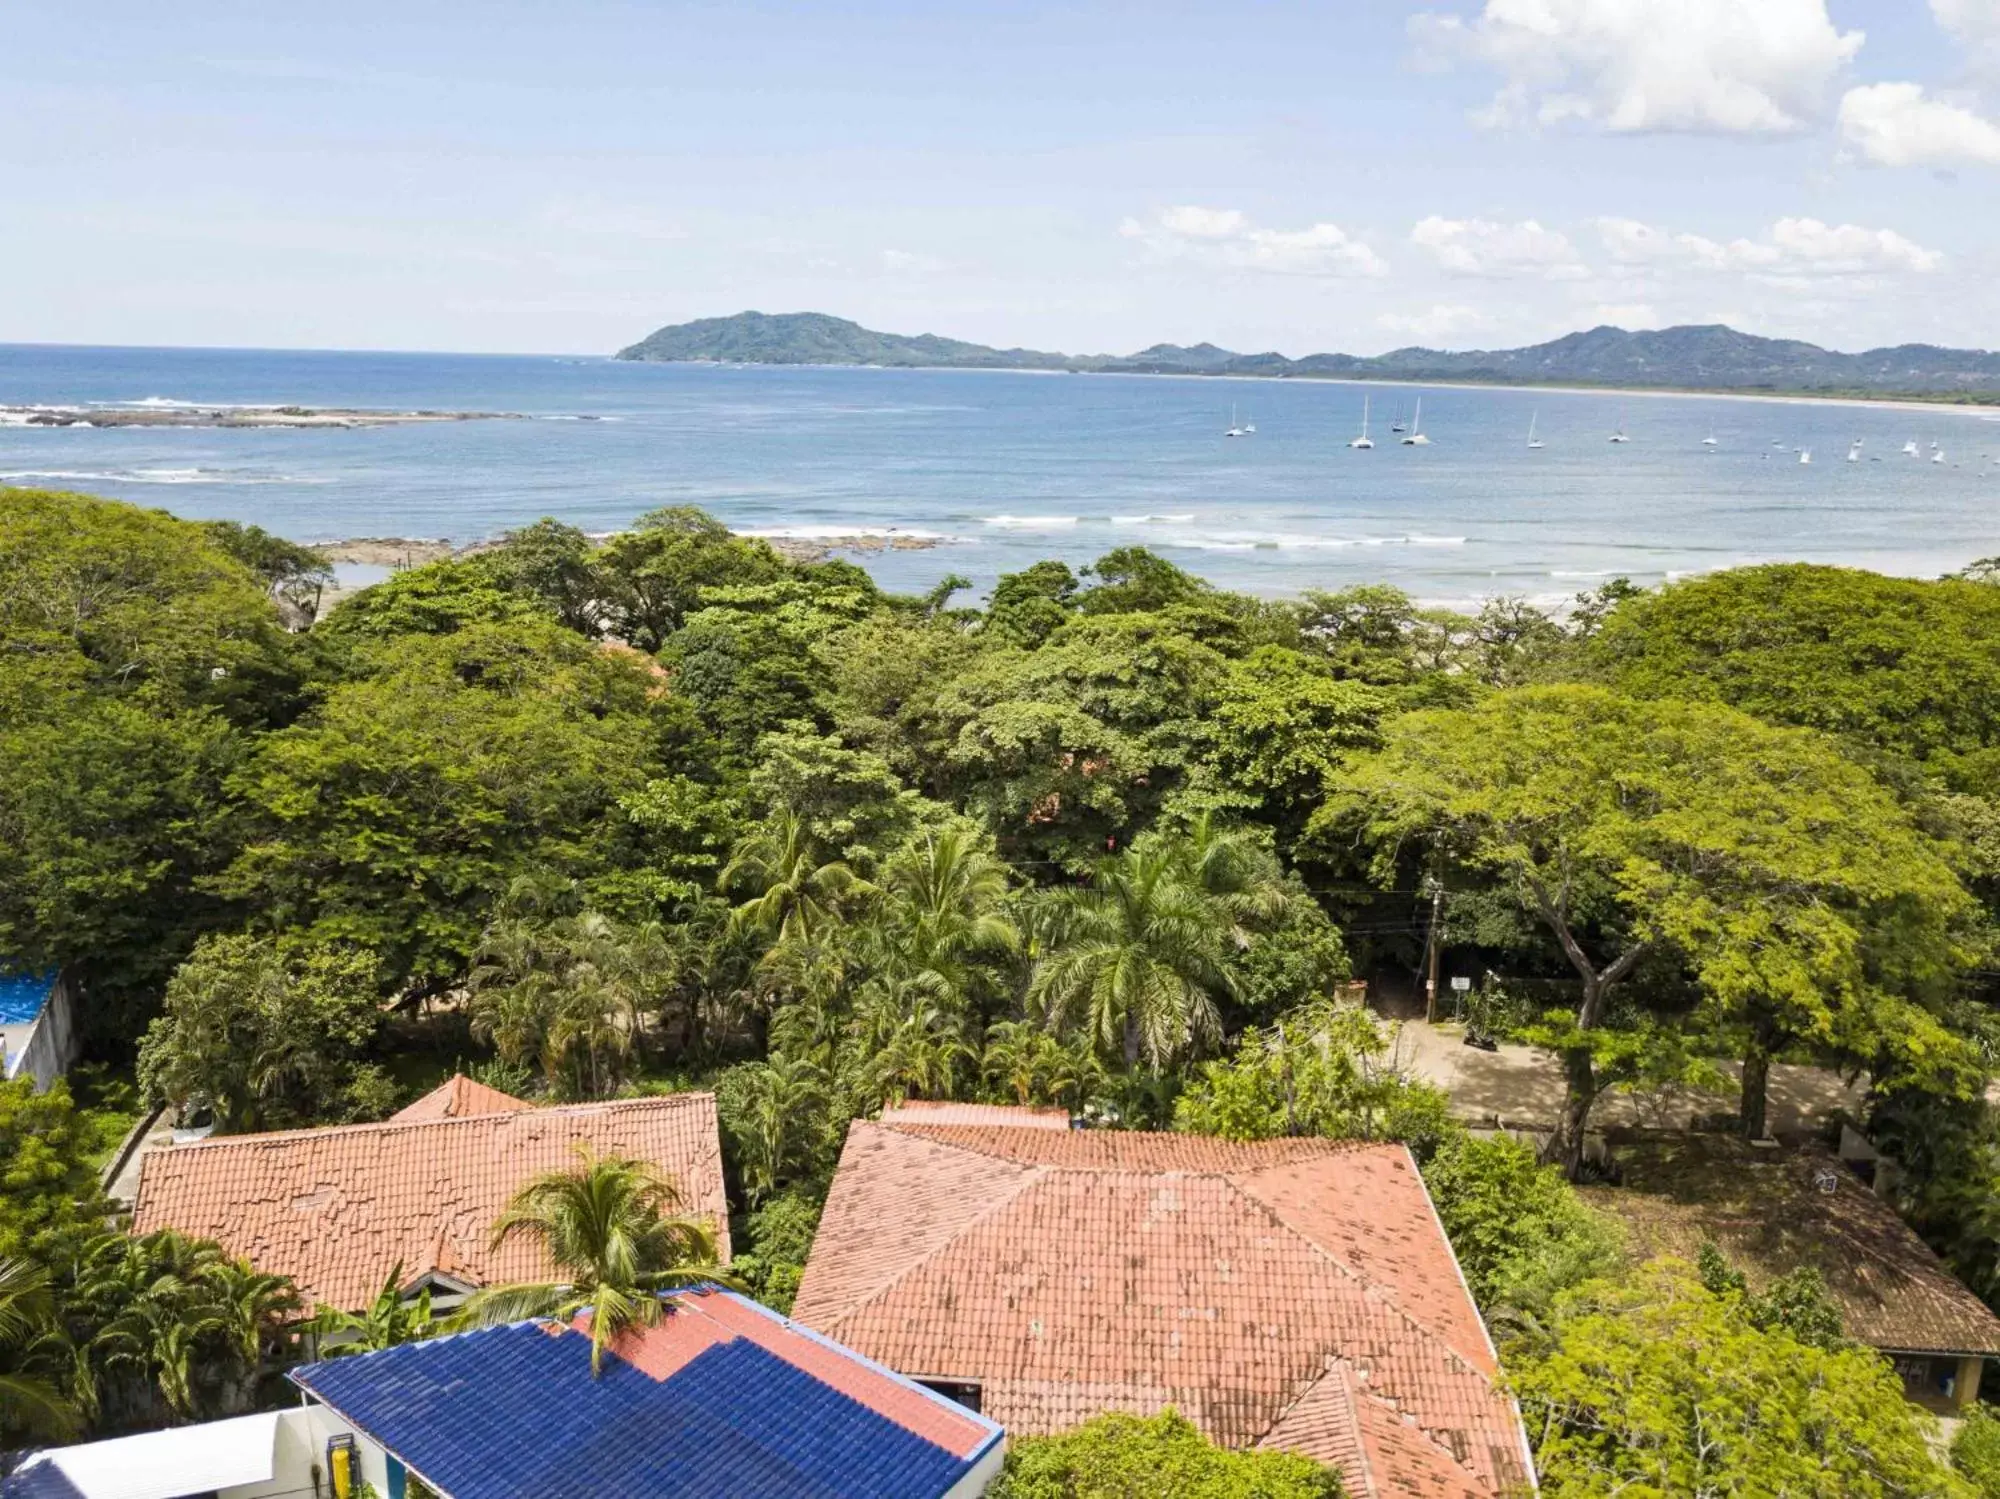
(1565, 1143)
(1757, 1079)
(1131, 1043)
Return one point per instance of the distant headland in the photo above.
(1709, 357)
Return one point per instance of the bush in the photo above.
(778, 1237)
(1975, 1452)
(1520, 1231)
(1133, 1457)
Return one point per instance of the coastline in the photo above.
(1911, 402)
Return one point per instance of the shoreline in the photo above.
(240, 417)
(1912, 402)
(398, 552)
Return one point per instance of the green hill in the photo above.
(1708, 357)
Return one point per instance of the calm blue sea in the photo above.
(1006, 468)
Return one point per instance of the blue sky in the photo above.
(511, 176)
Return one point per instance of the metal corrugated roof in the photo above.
(514, 1410)
(158, 1464)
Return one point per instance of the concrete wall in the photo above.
(51, 1043)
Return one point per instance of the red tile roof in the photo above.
(456, 1098)
(1294, 1293)
(337, 1209)
(932, 1111)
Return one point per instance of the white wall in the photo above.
(51, 1043)
(293, 1457)
(981, 1477)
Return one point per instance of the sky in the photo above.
(1352, 175)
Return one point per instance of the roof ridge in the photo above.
(595, 1106)
(1388, 1292)
(1362, 1390)
(1394, 1307)
(1028, 1173)
(1308, 1145)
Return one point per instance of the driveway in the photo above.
(1520, 1086)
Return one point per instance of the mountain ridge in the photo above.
(1710, 356)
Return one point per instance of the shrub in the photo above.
(1134, 1457)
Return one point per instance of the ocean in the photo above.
(1001, 468)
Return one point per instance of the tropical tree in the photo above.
(387, 1321)
(776, 1115)
(612, 1228)
(794, 891)
(1137, 959)
(1788, 882)
(1026, 1064)
(1655, 1385)
(30, 1403)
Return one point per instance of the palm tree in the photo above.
(1136, 958)
(797, 894)
(27, 1318)
(386, 1322)
(946, 896)
(255, 1313)
(611, 1226)
(1027, 1063)
(910, 1039)
(1233, 866)
(776, 1110)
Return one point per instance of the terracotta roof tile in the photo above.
(337, 1209)
(1072, 1273)
(1766, 1212)
(932, 1111)
(456, 1098)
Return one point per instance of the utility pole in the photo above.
(1431, 984)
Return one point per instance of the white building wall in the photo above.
(982, 1476)
(293, 1456)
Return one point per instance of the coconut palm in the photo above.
(27, 1317)
(945, 904)
(797, 893)
(1026, 1063)
(612, 1228)
(910, 1040)
(1136, 958)
(1232, 864)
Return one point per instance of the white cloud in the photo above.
(1626, 315)
(1729, 66)
(1439, 321)
(1227, 237)
(1481, 247)
(906, 263)
(1975, 25)
(1793, 247)
(1898, 125)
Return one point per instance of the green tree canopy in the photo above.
(1137, 1457)
(1655, 1387)
(1792, 886)
(1899, 664)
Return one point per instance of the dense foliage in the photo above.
(1657, 1386)
(596, 816)
(1134, 1457)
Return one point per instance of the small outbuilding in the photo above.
(1771, 1210)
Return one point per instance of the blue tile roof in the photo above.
(513, 1410)
(22, 995)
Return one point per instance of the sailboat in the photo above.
(1805, 455)
(1709, 441)
(1248, 428)
(1364, 440)
(1415, 438)
(1533, 441)
(1234, 429)
(1398, 424)
(1938, 456)
(1910, 448)
(1854, 452)
(1619, 435)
